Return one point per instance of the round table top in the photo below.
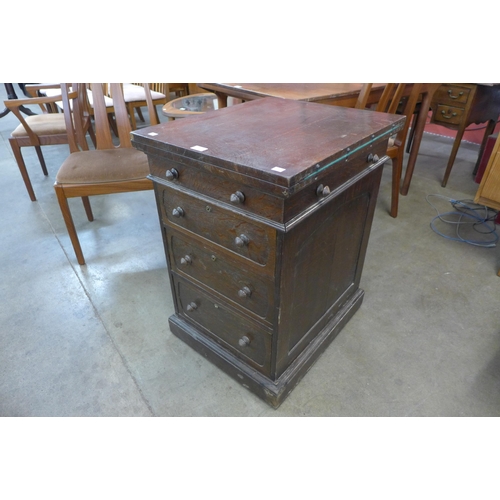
(194, 104)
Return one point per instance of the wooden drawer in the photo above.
(348, 169)
(254, 241)
(236, 283)
(448, 115)
(222, 188)
(242, 337)
(452, 94)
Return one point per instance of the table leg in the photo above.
(453, 154)
(222, 99)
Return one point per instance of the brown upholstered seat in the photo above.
(101, 166)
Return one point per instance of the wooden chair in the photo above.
(388, 103)
(105, 170)
(45, 129)
(135, 99)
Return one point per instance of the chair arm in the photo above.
(33, 88)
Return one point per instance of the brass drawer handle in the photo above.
(241, 240)
(448, 116)
(237, 197)
(245, 292)
(460, 94)
(172, 174)
(178, 212)
(191, 307)
(244, 341)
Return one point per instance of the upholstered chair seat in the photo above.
(103, 166)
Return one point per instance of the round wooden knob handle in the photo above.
(186, 260)
(241, 240)
(244, 341)
(178, 212)
(322, 191)
(237, 197)
(191, 307)
(172, 174)
(245, 292)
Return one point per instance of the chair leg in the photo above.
(397, 167)
(112, 124)
(132, 116)
(88, 208)
(92, 135)
(38, 150)
(139, 114)
(22, 168)
(70, 226)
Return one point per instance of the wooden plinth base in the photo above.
(272, 392)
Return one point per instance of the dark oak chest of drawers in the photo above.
(266, 209)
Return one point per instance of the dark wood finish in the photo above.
(266, 225)
(338, 94)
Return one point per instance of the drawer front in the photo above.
(452, 94)
(233, 192)
(314, 192)
(233, 231)
(448, 115)
(239, 335)
(237, 283)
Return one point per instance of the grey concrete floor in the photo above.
(94, 340)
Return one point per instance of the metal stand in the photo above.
(11, 94)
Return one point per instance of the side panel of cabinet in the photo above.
(489, 190)
(322, 262)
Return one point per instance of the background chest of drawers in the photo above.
(458, 105)
(266, 209)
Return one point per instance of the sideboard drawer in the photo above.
(448, 114)
(230, 329)
(452, 94)
(235, 232)
(250, 290)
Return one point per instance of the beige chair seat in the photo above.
(102, 166)
(134, 93)
(45, 124)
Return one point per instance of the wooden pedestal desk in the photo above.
(265, 210)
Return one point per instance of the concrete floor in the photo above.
(95, 341)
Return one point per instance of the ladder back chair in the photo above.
(107, 169)
(389, 102)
